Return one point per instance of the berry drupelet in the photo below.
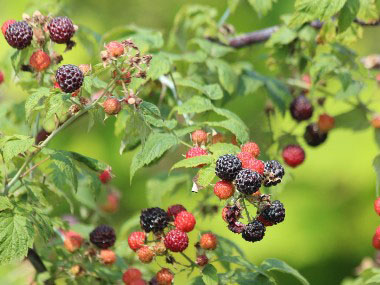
(254, 231)
(19, 35)
(301, 108)
(61, 30)
(153, 220)
(103, 236)
(69, 78)
(313, 135)
(275, 213)
(273, 173)
(248, 182)
(227, 167)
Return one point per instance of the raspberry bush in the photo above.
(167, 97)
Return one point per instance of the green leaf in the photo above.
(155, 146)
(368, 10)
(63, 170)
(16, 146)
(210, 275)
(206, 175)
(353, 89)
(96, 115)
(355, 119)
(195, 104)
(151, 108)
(57, 105)
(348, 14)
(227, 76)
(235, 127)
(5, 203)
(159, 186)
(308, 10)
(91, 163)
(159, 65)
(282, 36)
(262, 6)
(248, 85)
(239, 261)
(220, 149)
(279, 265)
(36, 100)
(193, 161)
(213, 49)
(16, 237)
(232, 4)
(213, 91)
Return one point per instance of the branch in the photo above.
(263, 35)
(36, 261)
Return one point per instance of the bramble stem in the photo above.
(246, 210)
(188, 259)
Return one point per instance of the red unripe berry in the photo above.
(105, 176)
(326, 122)
(1, 77)
(224, 189)
(245, 158)
(199, 137)
(176, 240)
(164, 277)
(196, 151)
(224, 214)
(145, 254)
(376, 121)
(293, 155)
(112, 106)
(39, 60)
(107, 256)
(185, 221)
(174, 210)
(72, 241)
(377, 206)
(115, 49)
(251, 148)
(112, 203)
(218, 138)
(130, 275)
(136, 240)
(306, 79)
(256, 165)
(208, 241)
(202, 260)
(6, 24)
(376, 241)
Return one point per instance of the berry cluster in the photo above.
(168, 235)
(247, 174)
(302, 109)
(102, 237)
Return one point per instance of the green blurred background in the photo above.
(329, 203)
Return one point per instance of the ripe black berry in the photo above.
(227, 167)
(313, 135)
(61, 30)
(103, 236)
(248, 181)
(19, 35)
(275, 213)
(154, 219)
(69, 78)
(273, 173)
(254, 231)
(301, 108)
